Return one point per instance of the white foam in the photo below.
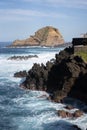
(9, 67)
(43, 112)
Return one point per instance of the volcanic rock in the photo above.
(65, 76)
(69, 107)
(20, 74)
(22, 57)
(65, 114)
(77, 113)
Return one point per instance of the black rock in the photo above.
(20, 74)
(22, 57)
(62, 77)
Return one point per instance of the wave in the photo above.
(9, 67)
(23, 109)
(43, 114)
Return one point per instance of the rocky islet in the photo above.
(47, 36)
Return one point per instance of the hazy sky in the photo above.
(21, 18)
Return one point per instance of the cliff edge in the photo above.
(46, 36)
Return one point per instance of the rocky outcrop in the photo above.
(20, 74)
(69, 107)
(65, 76)
(47, 36)
(22, 57)
(79, 89)
(65, 114)
(37, 77)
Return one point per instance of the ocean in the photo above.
(22, 109)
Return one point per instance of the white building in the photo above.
(84, 35)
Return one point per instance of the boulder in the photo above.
(69, 107)
(20, 74)
(65, 114)
(77, 113)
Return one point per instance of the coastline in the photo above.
(66, 44)
(63, 56)
(38, 101)
(37, 79)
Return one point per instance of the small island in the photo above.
(47, 36)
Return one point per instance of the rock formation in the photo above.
(47, 36)
(65, 76)
(65, 114)
(22, 57)
(20, 74)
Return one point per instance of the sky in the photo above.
(21, 18)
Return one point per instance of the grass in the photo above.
(82, 54)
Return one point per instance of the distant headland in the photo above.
(47, 36)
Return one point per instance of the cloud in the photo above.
(82, 4)
(21, 14)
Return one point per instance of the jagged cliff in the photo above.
(65, 76)
(46, 36)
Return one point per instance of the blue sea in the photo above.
(22, 109)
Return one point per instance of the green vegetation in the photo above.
(83, 55)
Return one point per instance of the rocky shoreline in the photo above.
(65, 76)
(61, 77)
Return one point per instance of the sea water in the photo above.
(22, 109)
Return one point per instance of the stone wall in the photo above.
(80, 48)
